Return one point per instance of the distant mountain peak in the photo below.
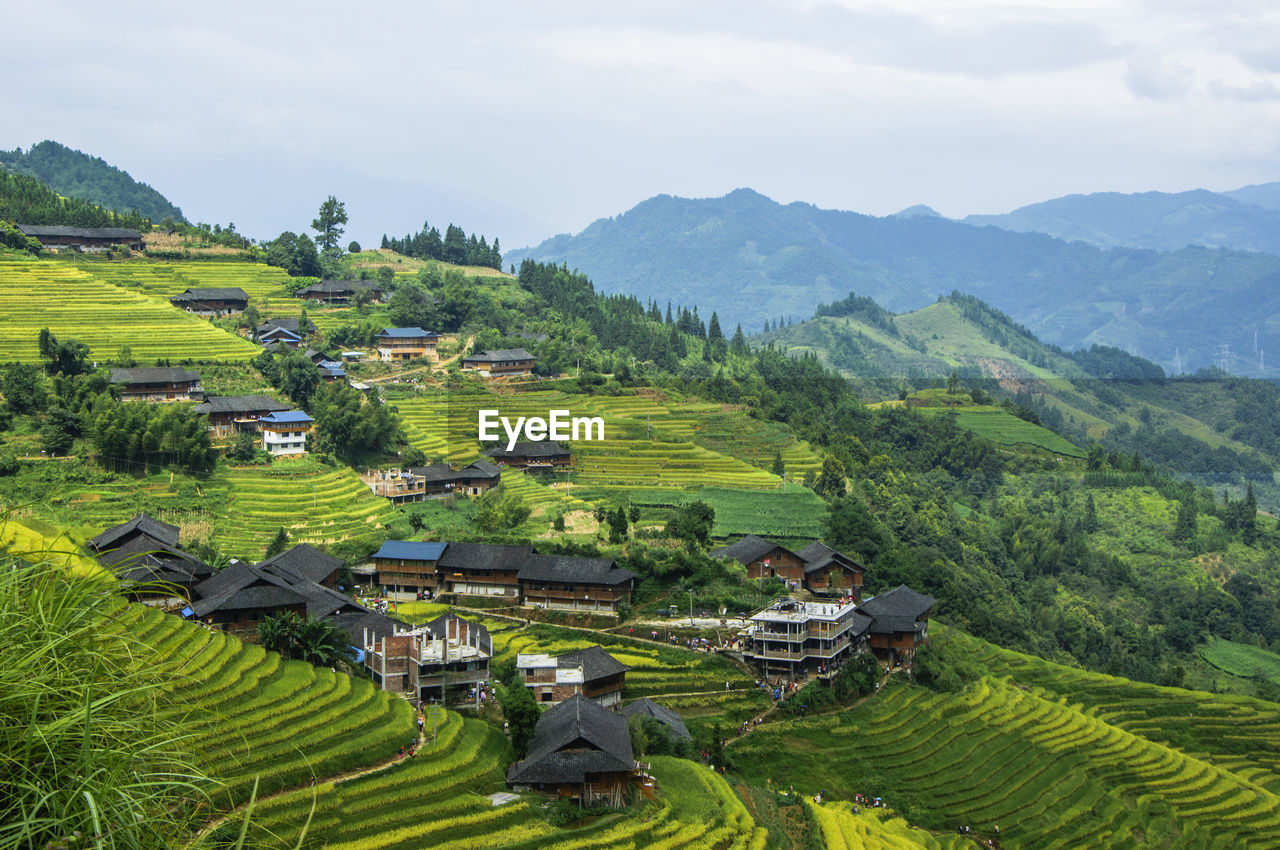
(918, 211)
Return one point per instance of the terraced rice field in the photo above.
(1087, 763)
(164, 278)
(871, 827)
(31, 543)
(324, 506)
(545, 502)
(1241, 659)
(74, 303)
(793, 512)
(1003, 428)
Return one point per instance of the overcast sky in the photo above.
(526, 119)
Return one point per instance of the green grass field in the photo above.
(793, 512)
(73, 303)
(1003, 428)
(1240, 659)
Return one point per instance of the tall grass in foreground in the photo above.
(88, 756)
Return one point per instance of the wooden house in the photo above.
(279, 339)
(157, 383)
(831, 573)
(569, 583)
(141, 526)
(409, 566)
(285, 432)
(483, 569)
(83, 238)
(293, 324)
(765, 559)
(397, 344)
(238, 597)
(505, 363)
(232, 414)
(792, 639)
(340, 291)
(212, 301)
(443, 659)
(532, 456)
(899, 623)
(579, 751)
(305, 563)
(591, 672)
(143, 554)
(647, 708)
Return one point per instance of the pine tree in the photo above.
(1090, 515)
(738, 345)
(779, 468)
(713, 328)
(669, 319)
(1249, 518)
(1184, 530)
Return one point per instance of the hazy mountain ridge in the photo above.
(752, 259)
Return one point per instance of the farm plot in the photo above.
(1003, 428)
(313, 504)
(843, 830)
(793, 512)
(1240, 659)
(74, 304)
(544, 501)
(165, 278)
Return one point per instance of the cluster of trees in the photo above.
(77, 175)
(300, 255)
(454, 247)
(861, 307)
(318, 642)
(136, 434)
(26, 200)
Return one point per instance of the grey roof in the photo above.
(594, 661)
(354, 623)
(145, 559)
(898, 610)
(500, 354)
(212, 293)
(645, 707)
(571, 569)
(304, 561)
(153, 375)
(39, 230)
(573, 740)
(482, 466)
(749, 549)
(407, 333)
(241, 586)
(546, 448)
(485, 556)
(818, 555)
(290, 325)
(240, 404)
(410, 550)
(443, 472)
(162, 532)
(338, 287)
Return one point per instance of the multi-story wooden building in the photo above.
(570, 583)
(483, 569)
(817, 567)
(792, 639)
(406, 344)
(285, 433)
(340, 291)
(143, 554)
(157, 383)
(437, 481)
(579, 751)
(504, 363)
(765, 559)
(212, 301)
(239, 596)
(294, 325)
(232, 414)
(532, 456)
(900, 623)
(83, 238)
(591, 672)
(831, 573)
(443, 659)
(405, 565)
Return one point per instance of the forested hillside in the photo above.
(88, 178)
(754, 260)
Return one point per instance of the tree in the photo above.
(349, 425)
(617, 525)
(779, 468)
(1090, 515)
(65, 358)
(738, 345)
(246, 446)
(294, 253)
(521, 712)
(354, 247)
(1249, 518)
(852, 528)
(692, 523)
(498, 510)
(278, 544)
(831, 481)
(299, 377)
(1184, 529)
(328, 224)
(23, 388)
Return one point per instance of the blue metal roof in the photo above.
(286, 416)
(407, 333)
(410, 550)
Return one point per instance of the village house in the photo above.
(398, 485)
(93, 239)
(817, 568)
(483, 569)
(396, 344)
(142, 526)
(157, 383)
(591, 673)
(279, 339)
(229, 415)
(437, 481)
(446, 659)
(900, 623)
(579, 751)
(305, 563)
(212, 301)
(143, 554)
(285, 432)
(330, 369)
(791, 639)
(294, 325)
(505, 363)
(408, 566)
(340, 291)
(647, 708)
(239, 596)
(568, 583)
(532, 456)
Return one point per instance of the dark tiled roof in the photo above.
(546, 449)
(898, 610)
(571, 569)
(645, 707)
(748, 550)
(574, 739)
(214, 293)
(443, 472)
(303, 561)
(153, 528)
(817, 555)
(338, 288)
(38, 230)
(239, 587)
(153, 375)
(483, 467)
(144, 554)
(354, 623)
(407, 333)
(485, 556)
(594, 661)
(240, 404)
(502, 354)
(290, 325)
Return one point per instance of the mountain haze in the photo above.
(752, 260)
